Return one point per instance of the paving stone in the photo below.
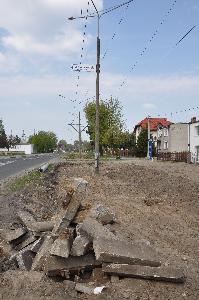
(119, 251)
(43, 253)
(143, 272)
(13, 235)
(94, 229)
(55, 264)
(102, 214)
(25, 260)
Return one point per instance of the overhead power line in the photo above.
(185, 35)
(169, 11)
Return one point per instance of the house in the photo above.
(154, 124)
(173, 138)
(181, 137)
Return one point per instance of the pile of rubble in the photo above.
(79, 246)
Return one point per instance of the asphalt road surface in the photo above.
(10, 166)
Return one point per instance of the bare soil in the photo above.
(154, 202)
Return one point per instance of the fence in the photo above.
(174, 156)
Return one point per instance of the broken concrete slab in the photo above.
(68, 214)
(159, 274)
(80, 246)
(35, 247)
(94, 229)
(25, 260)
(13, 235)
(102, 214)
(43, 253)
(55, 264)
(62, 245)
(119, 251)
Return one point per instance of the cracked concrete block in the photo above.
(119, 251)
(26, 218)
(80, 246)
(54, 265)
(62, 245)
(143, 272)
(93, 229)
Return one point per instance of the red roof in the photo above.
(154, 122)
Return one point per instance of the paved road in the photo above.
(10, 166)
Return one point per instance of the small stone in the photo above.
(102, 214)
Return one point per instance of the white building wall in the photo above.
(194, 141)
(26, 148)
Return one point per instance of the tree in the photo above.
(110, 120)
(44, 141)
(127, 141)
(142, 144)
(12, 141)
(3, 137)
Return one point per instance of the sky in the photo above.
(142, 65)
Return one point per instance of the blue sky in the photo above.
(38, 45)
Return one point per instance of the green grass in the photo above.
(20, 183)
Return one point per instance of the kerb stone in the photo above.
(142, 272)
(121, 252)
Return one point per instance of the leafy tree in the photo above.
(142, 144)
(110, 120)
(44, 141)
(12, 141)
(127, 141)
(3, 137)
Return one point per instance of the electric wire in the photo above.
(143, 52)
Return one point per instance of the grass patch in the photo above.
(20, 183)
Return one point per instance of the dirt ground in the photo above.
(156, 202)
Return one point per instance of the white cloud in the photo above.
(41, 26)
(149, 106)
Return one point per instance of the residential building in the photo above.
(173, 138)
(155, 124)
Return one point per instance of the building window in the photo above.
(165, 145)
(165, 132)
(159, 133)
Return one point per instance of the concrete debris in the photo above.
(142, 272)
(81, 243)
(117, 251)
(42, 254)
(94, 229)
(55, 264)
(62, 245)
(82, 247)
(102, 214)
(89, 289)
(73, 205)
(13, 235)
